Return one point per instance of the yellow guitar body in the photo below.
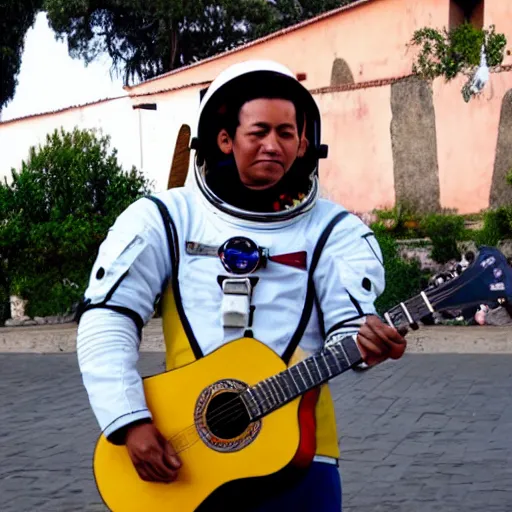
(173, 397)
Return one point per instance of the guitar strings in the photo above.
(230, 405)
(221, 415)
(270, 394)
(193, 429)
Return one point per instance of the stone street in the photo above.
(431, 432)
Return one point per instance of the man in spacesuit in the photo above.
(248, 250)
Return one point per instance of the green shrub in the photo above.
(55, 214)
(497, 226)
(5, 311)
(497, 223)
(404, 279)
(404, 221)
(444, 231)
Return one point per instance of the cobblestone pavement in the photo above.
(426, 433)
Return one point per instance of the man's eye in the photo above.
(287, 135)
(258, 134)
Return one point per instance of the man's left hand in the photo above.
(378, 341)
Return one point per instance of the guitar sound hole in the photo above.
(226, 416)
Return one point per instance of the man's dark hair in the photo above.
(229, 117)
(225, 113)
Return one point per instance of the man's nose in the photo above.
(270, 143)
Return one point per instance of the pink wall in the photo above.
(467, 135)
(359, 170)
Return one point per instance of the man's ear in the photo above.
(303, 146)
(304, 142)
(225, 142)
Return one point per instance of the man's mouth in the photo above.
(277, 162)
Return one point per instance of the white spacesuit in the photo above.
(223, 271)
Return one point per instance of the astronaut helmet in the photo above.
(216, 172)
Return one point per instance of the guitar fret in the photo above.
(318, 368)
(417, 307)
(260, 396)
(256, 409)
(427, 301)
(279, 388)
(266, 395)
(274, 385)
(311, 380)
(304, 375)
(294, 381)
(324, 357)
(270, 395)
(313, 369)
(338, 353)
(343, 352)
(285, 386)
(334, 358)
(301, 375)
(298, 378)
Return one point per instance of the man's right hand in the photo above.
(152, 455)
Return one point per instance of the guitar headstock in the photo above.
(487, 280)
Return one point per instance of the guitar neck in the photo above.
(412, 310)
(276, 391)
(336, 358)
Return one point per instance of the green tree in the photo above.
(145, 39)
(16, 17)
(55, 213)
(288, 12)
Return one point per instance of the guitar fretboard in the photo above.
(276, 391)
(333, 360)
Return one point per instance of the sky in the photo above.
(50, 79)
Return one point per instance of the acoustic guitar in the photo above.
(234, 414)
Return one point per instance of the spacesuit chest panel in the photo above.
(274, 303)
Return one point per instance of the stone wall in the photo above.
(413, 139)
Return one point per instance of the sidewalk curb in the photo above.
(427, 340)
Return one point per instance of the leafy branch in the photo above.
(450, 52)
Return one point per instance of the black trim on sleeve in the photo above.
(85, 304)
(320, 315)
(356, 305)
(118, 436)
(345, 323)
(371, 247)
(115, 287)
(137, 319)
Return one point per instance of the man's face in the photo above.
(266, 142)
